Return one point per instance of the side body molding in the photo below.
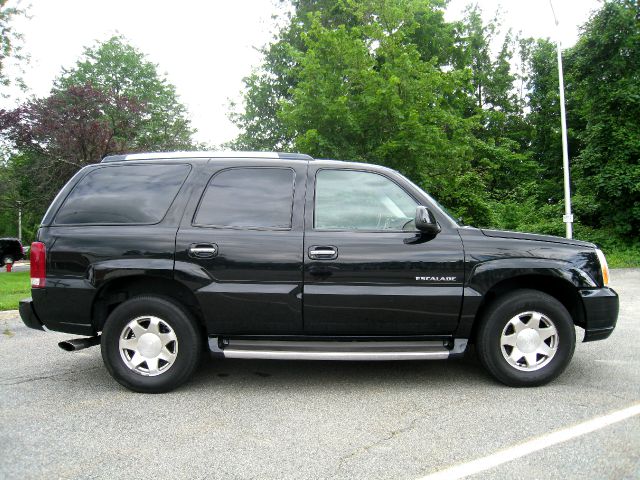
(101, 273)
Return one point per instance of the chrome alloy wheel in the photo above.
(529, 341)
(148, 346)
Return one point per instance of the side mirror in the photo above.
(426, 222)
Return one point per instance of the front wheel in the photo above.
(150, 344)
(7, 259)
(526, 338)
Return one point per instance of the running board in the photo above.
(335, 350)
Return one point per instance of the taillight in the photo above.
(38, 265)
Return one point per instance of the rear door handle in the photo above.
(203, 250)
(323, 252)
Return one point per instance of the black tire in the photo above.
(174, 320)
(513, 308)
(7, 259)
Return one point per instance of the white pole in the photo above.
(20, 221)
(567, 218)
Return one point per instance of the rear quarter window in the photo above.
(123, 194)
(247, 197)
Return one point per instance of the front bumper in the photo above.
(601, 312)
(28, 314)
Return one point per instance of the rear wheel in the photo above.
(526, 338)
(150, 344)
(7, 259)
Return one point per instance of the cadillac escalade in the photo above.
(160, 257)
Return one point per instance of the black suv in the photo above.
(10, 251)
(281, 256)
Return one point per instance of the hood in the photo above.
(536, 237)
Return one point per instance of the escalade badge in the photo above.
(437, 279)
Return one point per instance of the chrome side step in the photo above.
(335, 350)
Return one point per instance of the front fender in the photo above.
(486, 275)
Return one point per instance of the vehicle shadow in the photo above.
(317, 375)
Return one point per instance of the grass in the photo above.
(14, 287)
(623, 257)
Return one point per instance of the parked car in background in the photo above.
(10, 251)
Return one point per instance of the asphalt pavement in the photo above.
(62, 416)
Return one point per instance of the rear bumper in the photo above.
(44, 322)
(28, 314)
(601, 313)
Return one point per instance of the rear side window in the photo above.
(127, 194)
(248, 198)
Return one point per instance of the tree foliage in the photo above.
(464, 109)
(394, 83)
(391, 83)
(112, 101)
(10, 40)
(118, 70)
(604, 69)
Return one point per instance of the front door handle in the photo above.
(323, 252)
(203, 250)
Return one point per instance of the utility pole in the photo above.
(567, 218)
(19, 220)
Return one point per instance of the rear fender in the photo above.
(100, 273)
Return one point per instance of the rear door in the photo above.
(239, 246)
(367, 270)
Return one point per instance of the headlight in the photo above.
(604, 267)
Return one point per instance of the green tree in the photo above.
(370, 81)
(118, 70)
(10, 40)
(500, 140)
(544, 116)
(603, 71)
(113, 101)
(269, 88)
(392, 82)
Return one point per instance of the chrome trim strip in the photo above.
(203, 250)
(335, 349)
(204, 154)
(318, 355)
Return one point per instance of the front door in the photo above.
(240, 246)
(367, 271)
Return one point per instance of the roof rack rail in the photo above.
(205, 154)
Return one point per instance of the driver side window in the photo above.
(355, 200)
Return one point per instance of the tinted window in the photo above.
(248, 197)
(352, 200)
(123, 194)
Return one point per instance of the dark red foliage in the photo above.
(77, 126)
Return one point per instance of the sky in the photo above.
(206, 47)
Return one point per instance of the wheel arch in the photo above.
(555, 286)
(116, 291)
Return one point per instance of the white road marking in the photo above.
(617, 362)
(526, 448)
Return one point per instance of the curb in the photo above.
(7, 314)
